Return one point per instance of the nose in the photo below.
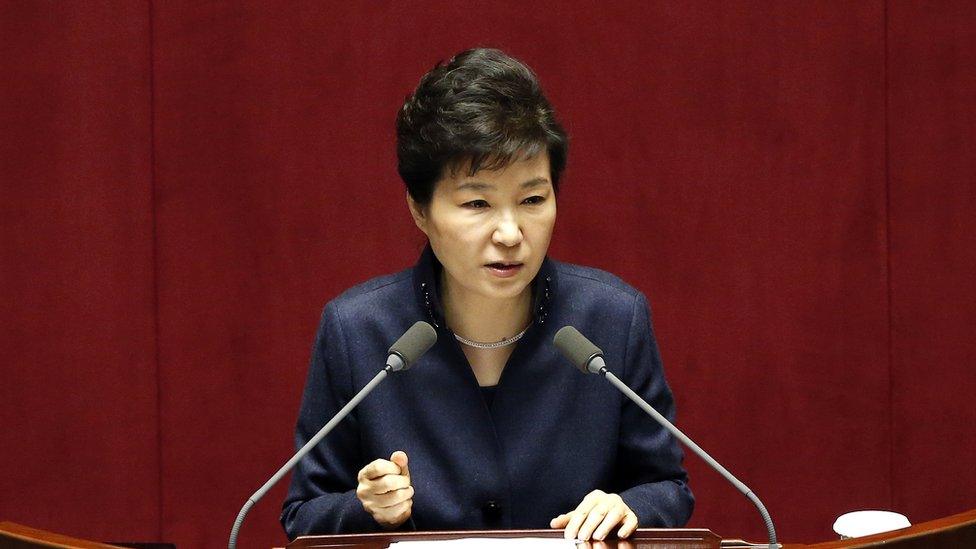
(507, 232)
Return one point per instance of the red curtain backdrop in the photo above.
(184, 185)
(79, 411)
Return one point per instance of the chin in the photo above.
(507, 291)
(508, 294)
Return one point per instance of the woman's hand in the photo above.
(385, 491)
(596, 516)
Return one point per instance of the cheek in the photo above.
(465, 228)
(543, 225)
(457, 238)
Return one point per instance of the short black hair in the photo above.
(482, 106)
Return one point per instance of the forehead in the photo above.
(533, 171)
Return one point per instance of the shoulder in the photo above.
(583, 281)
(376, 287)
(594, 299)
(376, 293)
(610, 312)
(368, 316)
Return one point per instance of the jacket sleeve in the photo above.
(650, 477)
(322, 497)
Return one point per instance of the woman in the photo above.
(491, 429)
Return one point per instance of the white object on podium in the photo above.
(866, 523)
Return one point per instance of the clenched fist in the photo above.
(385, 491)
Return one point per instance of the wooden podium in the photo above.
(643, 538)
(956, 531)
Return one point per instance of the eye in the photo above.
(532, 200)
(475, 204)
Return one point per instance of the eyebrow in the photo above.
(479, 186)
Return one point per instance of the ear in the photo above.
(418, 214)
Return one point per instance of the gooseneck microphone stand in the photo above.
(413, 343)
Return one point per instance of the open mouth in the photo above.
(504, 270)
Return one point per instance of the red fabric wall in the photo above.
(185, 185)
(932, 195)
(79, 448)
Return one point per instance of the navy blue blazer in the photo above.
(550, 435)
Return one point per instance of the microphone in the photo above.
(402, 355)
(411, 346)
(589, 359)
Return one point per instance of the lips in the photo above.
(504, 269)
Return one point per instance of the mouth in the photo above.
(503, 268)
(504, 265)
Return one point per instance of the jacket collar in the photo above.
(426, 282)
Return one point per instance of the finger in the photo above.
(400, 459)
(590, 501)
(593, 519)
(577, 516)
(630, 524)
(387, 483)
(390, 499)
(396, 515)
(572, 525)
(576, 519)
(613, 518)
(560, 521)
(378, 468)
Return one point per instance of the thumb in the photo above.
(400, 458)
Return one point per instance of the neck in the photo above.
(484, 319)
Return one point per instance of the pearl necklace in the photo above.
(496, 345)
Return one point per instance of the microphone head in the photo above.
(579, 350)
(414, 343)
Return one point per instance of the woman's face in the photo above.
(491, 230)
